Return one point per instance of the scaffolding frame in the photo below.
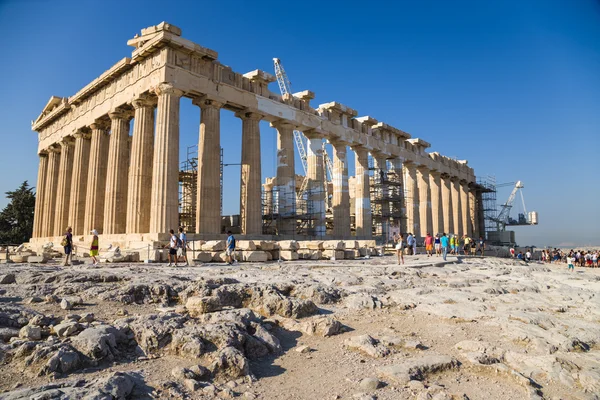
(188, 183)
(387, 197)
(489, 205)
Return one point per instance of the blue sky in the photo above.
(512, 86)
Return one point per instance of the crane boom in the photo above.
(285, 87)
(505, 211)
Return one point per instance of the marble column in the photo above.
(250, 187)
(63, 189)
(341, 196)
(208, 206)
(79, 182)
(96, 184)
(412, 198)
(473, 217)
(286, 178)
(362, 196)
(464, 201)
(51, 186)
(316, 181)
(380, 178)
(457, 207)
(115, 206)
(40, 194)
(140, 168)
(425, 216)
(447, 204)
(437, 209)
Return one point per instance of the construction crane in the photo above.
(285, 87)
(525, 218)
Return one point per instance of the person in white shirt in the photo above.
(182, 250)
(528, 256)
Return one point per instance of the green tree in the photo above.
(16, 220)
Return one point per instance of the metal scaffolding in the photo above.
(387, 198)
(188, 181)
(487, 185)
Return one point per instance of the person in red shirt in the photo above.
(429, 245)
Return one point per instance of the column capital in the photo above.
(423, 168)
(43, 153)
(206, 102)
(119, 113)
(358, 149)
(338, 142)
(143, 102)
(54, 148)
(282, 123)
(99, 125)
(67, 141)
(312, 134)
(445, 175)
(167, 88)
(435, 172)
(250, 115)
(81, 134)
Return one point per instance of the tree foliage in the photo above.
(16, 220)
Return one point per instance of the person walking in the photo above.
(444, 245)
(172, 248)
(481, 245)
(399, 239)
(437, 245)
(182, 251)
(230, 248)
(409, 242)
(67, 243)
(429, 244)
(94, 247)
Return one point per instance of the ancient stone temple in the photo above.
(99, 170)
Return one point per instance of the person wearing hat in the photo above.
(94, 247)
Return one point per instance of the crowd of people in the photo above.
(440, 244)
(573, 258)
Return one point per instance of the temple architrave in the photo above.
(98, 170)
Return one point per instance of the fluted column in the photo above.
(96, 187)
(437, 213)
(140, 168)
(457, 207)
(286, 178)
(51, 186)
(464, 201)
(115, 206)
(362, 197)
(79, 182)
(63, 190)
(40, 194)
(250, 193)
(341, 196)
(412, 198)
(208, 207)
(424, 201)
(447, 204)
(473, 217)
(316, 181)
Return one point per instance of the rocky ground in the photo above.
(353, 329)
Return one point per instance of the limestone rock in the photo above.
(288, 245)
(266, 245)
(66, 329)
(333, 254)
(320, 326)
(367, 345)
(311, 244)
(99, 342)
(30, 332)
(203, 256)
(370, 384)
(202, 305)
(288, 255)
(245, 245)
(230, 363)
(255, 256)
(7, 279)
(214, 245)
(334, 245)
(417, 368)
(360, 301)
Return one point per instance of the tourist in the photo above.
(520, 256)
(230, 248)
(595, 259)
(182, 250)
(399, 239)
(588, 259)
(429, 245)
(452, 243)
(67, 243)
(94, 247)
(437, 245)
(411, 243)
(444, 245)
(570, 262)
(512, 252)
(467, 245)
(528, 256)
(481, 245)
(173, 248)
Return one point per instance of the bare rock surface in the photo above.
(365, 328)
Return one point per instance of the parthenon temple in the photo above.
(99, 170)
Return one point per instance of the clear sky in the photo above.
(513, 86)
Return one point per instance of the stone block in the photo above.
(311, 244)
(288, 255)
(214, 245)
(351, 244)
(19, 258)
(333, 245)
(203, 256)
(218, 256)
(37, 259)
(348, 255)
(366, 243)
(245, 245)
(266, 245)
(333, 254)
(288, 245)
(306, 254)
(269, 256)
(275, 254)
(255, 256)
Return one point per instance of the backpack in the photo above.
(64, 242)
(179, 242)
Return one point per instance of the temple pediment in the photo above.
(52, 104)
